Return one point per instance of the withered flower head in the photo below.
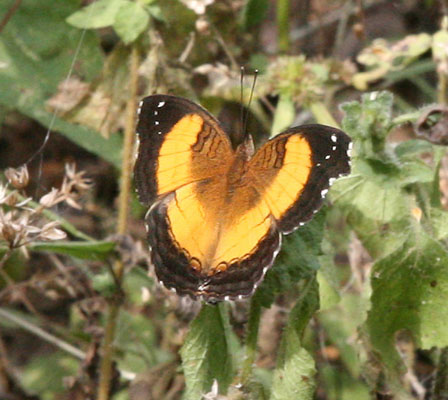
(18, 177)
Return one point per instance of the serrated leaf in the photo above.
(206, 353)
(294, 377)
(409, 293)
(370, 118)
(357, 194)
(98, 14)
(130, 21)
(298, 259)
(84, 250)
(416, 171)
(388, 213)
(411, 148)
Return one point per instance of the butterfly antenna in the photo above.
(250, 101)
(241, 100)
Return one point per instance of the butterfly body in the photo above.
(216, 213)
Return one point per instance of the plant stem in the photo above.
(123, 210)
(440, 391)
(283, 8)
(251, 341)
(322, 115)
(441, 89)
(48, 337)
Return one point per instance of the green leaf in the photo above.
(99, 250)
(328, 296)
(134, 281)
(368, 122)
(382, 225)
(294, 377)
(439, 223)
(131, 20)
(206, 353)
(156, 12)
(284, 115)
(98, 14)
(410, 293)
(44, 376)
(298, 259)
(356, 194)
(104, 283)
(411, 148)
(254, 12)
(136, 342)
(341, 324)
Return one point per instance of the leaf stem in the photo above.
(123, 211)
(322, 115)
(251, 341)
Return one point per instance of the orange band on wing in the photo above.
(174, 161)
(215, 232)
(241, 236)
(284, 189)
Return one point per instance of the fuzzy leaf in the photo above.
(368, 122)
(206, 353)
(410, 293)
(297, 260)
(294, 375)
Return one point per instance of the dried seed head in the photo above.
(51, 198)
(18, 177)
(50, 232)
(76, 180)
(12, 199)
(8, 233)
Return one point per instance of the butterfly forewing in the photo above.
(294, 170)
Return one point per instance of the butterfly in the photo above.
(217, 213)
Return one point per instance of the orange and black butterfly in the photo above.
(217, 214)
